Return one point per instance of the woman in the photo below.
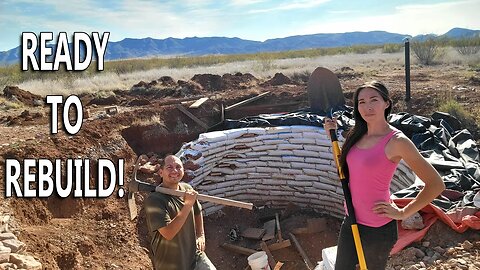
(370, 155)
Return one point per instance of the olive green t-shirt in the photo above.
(178, 253)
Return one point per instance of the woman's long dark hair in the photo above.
(360, 128)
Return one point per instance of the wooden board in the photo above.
(253, 233)
(198, 103)
(269, 227)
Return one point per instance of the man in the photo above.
(175, 224)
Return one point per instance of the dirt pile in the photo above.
(16, 94)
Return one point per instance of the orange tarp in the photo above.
(430, 215)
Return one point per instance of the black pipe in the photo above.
(407, 69)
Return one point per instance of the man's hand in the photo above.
(201, 242)
(190, 197)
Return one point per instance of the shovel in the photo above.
(136, 185)
(325, 94)
(348, 197)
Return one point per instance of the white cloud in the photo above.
(301, 4)
(245, 2)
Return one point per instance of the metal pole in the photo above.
(407, 69)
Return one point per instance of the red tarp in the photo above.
(430, 214)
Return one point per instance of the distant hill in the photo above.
(462, 33)
(193, 46)
(454, 33)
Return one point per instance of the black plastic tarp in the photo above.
(440, 139)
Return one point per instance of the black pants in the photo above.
(376, 242)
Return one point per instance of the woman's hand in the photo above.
(390, 210)
(329, 124)
(201, 242)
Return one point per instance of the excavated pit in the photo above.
(288, 170)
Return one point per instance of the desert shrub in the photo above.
(392, 48)
(361, 49)
(6, 104)
(301, 77)
(454, 108)
(467, 46)
(427, 51)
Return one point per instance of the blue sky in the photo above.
(247, 19)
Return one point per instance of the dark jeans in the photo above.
(376, 242)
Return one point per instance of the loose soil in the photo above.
(97, 233)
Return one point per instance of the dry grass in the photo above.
(123, 74)
(262, 68)
(6, 104)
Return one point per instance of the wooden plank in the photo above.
(238, 249)
(271, 260)
(246, 101)
(300, 250)
(279, 245)
(193, 117)
(278, 266)
(198, 103)
(253, 233)
(177, 100)
(269, 227)
(279, 230)
(269, 107)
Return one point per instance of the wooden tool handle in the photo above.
(207, 198)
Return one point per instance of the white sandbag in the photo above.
(280, 129)
(305, 153)
(302, 141)
(289, 146)
(316, 148)
(279, 164)
(302, 165)
(214, 136)
(291, 171)
(270, 158)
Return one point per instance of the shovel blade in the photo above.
(132, 206)
(324, 90)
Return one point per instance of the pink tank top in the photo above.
(370, 175)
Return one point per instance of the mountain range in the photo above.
(195, 46)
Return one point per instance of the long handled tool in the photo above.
(348, 197)
(136, 185)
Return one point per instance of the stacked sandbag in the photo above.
(274, 166)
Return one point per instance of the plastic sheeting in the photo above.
(440, 139)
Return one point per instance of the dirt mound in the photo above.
(348, 73)
(278, 79)
(138, 102)
(16, 94)
(187, 88)
(215, 83)
(239, 80)
(209, 82)
(108, 101)
(25, 118)
(167, 81)
(166, 88)
(474, 80)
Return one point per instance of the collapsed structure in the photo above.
(272, 165)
